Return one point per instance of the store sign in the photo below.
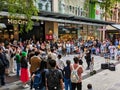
(49, 36)
(15, 21)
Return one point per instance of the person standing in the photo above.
(17, 58)
(54, 77)
(60, 63)
(35, 64)
(92, 64)
(68, 45)
(3, 65)
(12, 54)
(88, 58)
(66, 73)
(42, 70)
(24, 77)
(79, 69)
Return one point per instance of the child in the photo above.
(92, 64)
(89, 86)
(107, 56)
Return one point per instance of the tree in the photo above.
(107, 6)
(16, 8)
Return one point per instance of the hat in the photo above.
(24, 54)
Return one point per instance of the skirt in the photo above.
(24, 77)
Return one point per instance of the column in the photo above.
(16, 32)
(52, 27)
(103, 35)
(55, 5)
(55, 31)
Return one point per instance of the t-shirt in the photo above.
(59, 76)
(111, 48)
(67, 72)
(80, 70)
(17, 58)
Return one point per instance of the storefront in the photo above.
(67, 31)
(13, 27)
(74, 27)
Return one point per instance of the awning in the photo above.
(2, 25)
(109, 27)
(62, 18)
(117, 26)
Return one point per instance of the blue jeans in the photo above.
(68, 50)
(18, 68)
(67, 84)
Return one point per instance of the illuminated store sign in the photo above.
(14, 21)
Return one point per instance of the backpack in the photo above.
(74, 75)
(53, 80)
(37, 83)
(1, 64)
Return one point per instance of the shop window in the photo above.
(40, 6)
(76, 11)
(70, 8)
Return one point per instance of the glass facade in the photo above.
(44, 5)
(73, 7)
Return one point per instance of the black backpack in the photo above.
(1, 64)
(53, 80)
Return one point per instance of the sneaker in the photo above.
(25, 86)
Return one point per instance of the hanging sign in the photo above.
(49, 36)
(16, 21)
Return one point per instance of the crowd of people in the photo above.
(46, 58)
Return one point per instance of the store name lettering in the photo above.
(13, 21)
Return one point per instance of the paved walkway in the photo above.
(105, 80)
(96, 79)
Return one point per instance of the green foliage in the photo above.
(108, 5)
(18, 7)
(86, 7)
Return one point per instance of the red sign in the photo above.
(49, 36)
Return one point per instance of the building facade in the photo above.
(64, 19)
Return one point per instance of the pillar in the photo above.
(16, 32)
(55, 5)
(52, 26)
(55, 30)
